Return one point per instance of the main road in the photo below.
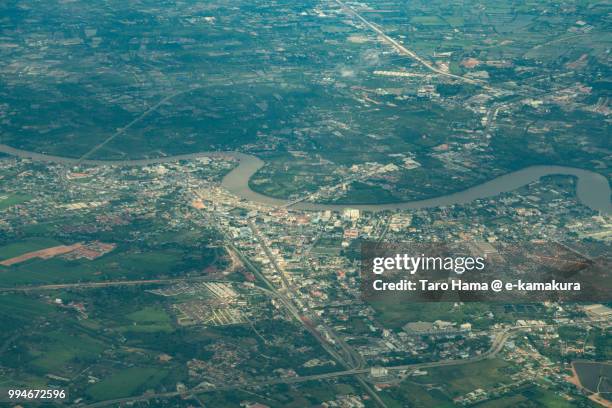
(405, 51)
(496, 346)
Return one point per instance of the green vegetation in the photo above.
(13, 199)
(130, 381)
(461, 379)
(417, 396)
(332, 106)
(122, 263)
(283, 396)
(528, 396)
(572, 333)
(149, 319)
(442, 384)
(601, 340)
(23, 307)
(21, 247)
(394, 313)
(427, 20)
(366, 194)
(61, 350)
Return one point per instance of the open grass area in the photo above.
(510, 401)
(60, 350)
(442, 384)
(327, 246)
(12, 305)
(459, 380)
(18, 313)
(455, 21)
(427, 20)
(42, 271)
(119, 264)
(547, 398)
(149, 262)
(13, 199)
(535, 396)
(130, 381)
(395, 313)
(366, 194)
(149, 319)
(417, 396)
(307, 394)
(19, 248)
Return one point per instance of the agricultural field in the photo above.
(396, 314)
(537, 395)
(126, 382)
(304, 394)
(441, 385)
(7, 201)
(316, 110)
(188, 190)
(126, 264)
(460, 380)
(110, 343)
(22, 247)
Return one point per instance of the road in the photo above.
(496, 346)
(262, 242)
(122, 130)
(353, 358)
(405, 51)
(348, 361)
(328, 189)
(103, 284)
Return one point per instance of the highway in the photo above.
(103, 284)
(269, 254)
(405, 51)
(350, 359)
(353, 358)
(496, 347)
(122, 130)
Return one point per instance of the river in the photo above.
(593, 189)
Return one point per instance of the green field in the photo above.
(427, 20)
(441, 385)
(308, 394)
(149, 319)
(60, 350)
(417, 396)
(18, 313)
(532, 395)
(130, 381)
(21, 247)
(13, 305)
(115, 265)
(13, 199)
(461, 379)
(151, 263)
(395, 313)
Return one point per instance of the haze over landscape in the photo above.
(186, 188)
